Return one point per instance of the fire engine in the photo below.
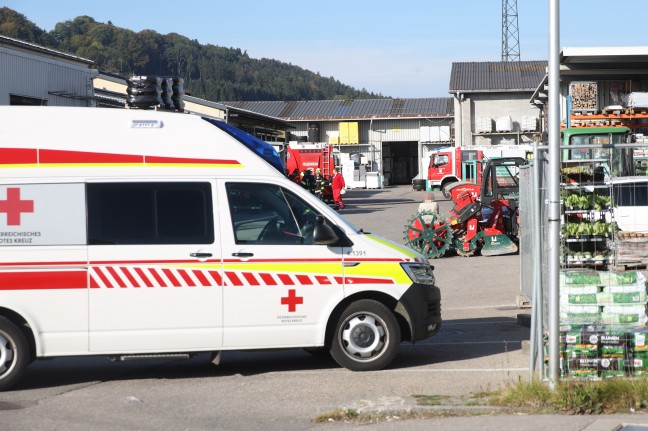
(451, 164)
(310, 155)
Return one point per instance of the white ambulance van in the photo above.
(135, 234)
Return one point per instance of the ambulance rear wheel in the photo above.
(367, 336)
(14, 355)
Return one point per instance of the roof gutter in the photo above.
(458, 121)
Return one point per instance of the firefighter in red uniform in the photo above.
(337, 184)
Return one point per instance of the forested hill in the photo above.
(210, 72)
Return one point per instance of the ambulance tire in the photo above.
(14, 354)
(367, 336)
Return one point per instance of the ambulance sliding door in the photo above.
(279, 286)
(155, 267)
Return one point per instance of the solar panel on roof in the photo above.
(341, 111)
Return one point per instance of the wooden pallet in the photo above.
(612, 111)
(632, 249)
(635, 111)
(590, 123)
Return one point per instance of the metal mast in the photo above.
(510, 34)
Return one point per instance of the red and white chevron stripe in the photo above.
(108, 277)
(138, 276)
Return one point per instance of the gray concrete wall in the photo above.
(474, 105)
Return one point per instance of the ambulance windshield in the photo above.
(262, 148)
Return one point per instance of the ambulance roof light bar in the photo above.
(262, 148)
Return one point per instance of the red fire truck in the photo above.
(451, 164)
(310, 155)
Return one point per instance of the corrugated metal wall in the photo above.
(24, 74)
(391, 133)
(392, 130)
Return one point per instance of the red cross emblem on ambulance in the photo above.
(292, 300)
(13, 206)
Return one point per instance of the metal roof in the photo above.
(19, 44)
(244, 115)
(496, 76)
(600, 62)
(351, 109)
(594, 63)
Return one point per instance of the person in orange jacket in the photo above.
(337, 184)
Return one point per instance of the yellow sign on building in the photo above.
(349, 133)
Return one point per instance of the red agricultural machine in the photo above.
(484, 216)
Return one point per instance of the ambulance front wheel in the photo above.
(367, 336)
(14, 355)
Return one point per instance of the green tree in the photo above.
(209, 71)
(17, 26)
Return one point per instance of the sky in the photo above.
(396, 49)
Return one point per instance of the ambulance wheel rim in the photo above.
(6, 355)
(367, 336)
(363, 335)
(14, 354)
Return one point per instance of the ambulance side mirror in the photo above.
(323, 233)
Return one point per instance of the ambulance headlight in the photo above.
(421, 273)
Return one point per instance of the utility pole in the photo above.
(510, 33)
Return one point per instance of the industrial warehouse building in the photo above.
(490, 103)
(34, 75)
(389, 136)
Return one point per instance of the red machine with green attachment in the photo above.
(484, 216)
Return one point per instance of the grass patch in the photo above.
(431, 400)
(338, 415)
(576, 397)
(570, 397)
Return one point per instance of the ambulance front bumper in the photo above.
(420, 306)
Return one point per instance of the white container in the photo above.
(484, 125)
(374, 180)
(638, 100)
(482, 140)
(504, 124)
(529, 124)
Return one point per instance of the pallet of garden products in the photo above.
(602, 351)
(603, 324)
(603, 297)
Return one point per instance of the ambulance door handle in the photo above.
(351, 264)
(200, 255)
(242, 254)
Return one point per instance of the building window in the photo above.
(26, 100)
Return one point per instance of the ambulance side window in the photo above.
(150, 213)
(269, 214)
